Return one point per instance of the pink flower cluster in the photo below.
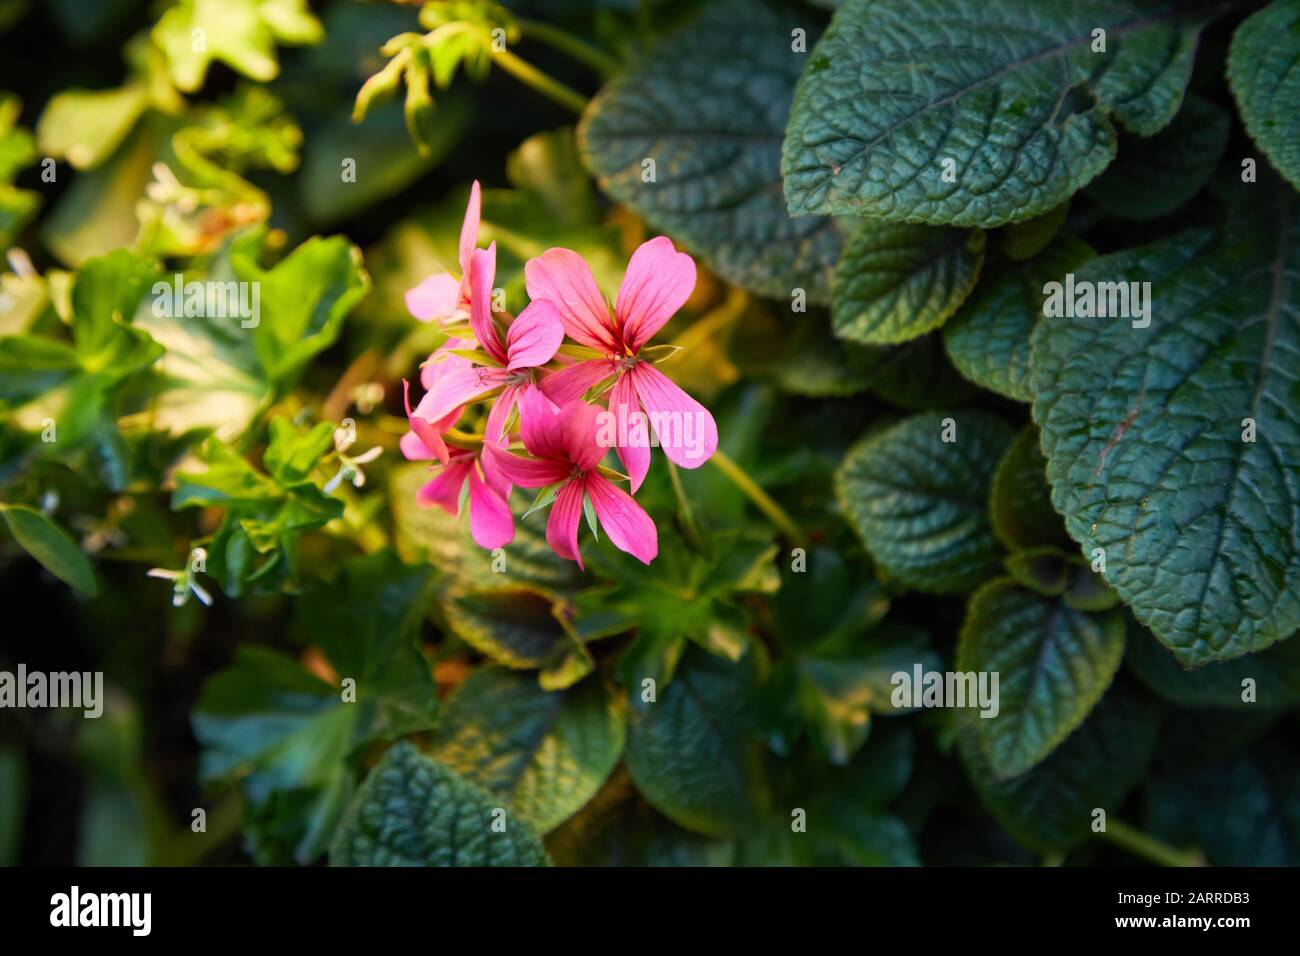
(566, 406)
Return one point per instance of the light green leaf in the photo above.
(303, 301)
(1050, 808)
(546, 754)
(692, 752)
(1263, 77)
(239, 33)
(87, 126)
(413, 811)
(1054, 665)
(988, 339)
(921, 503)
(51, 546)
(1143, 430)
(709, 107)
(896, 282)
(1010, 93)
(1155, 176)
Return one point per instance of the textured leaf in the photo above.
(691, 752)
(545, 753)
(1020, 503)
(1010, 91)
(709, 106)
(51, 546)
(1154, 176)
(1275, 673)
(1241, 812)
(1143, 432)
(1050, 807)
(988, 339)
(921, 504)
(1054, 665)
(413, 811)
(1263, 77)
(520, 626)
(895, 282)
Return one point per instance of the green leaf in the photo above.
(521, 626)
(1155, 176)
(87, 126)
(17, 151)
(303, 302)
(897, 282)
(1020, 502)
(691, 751)
(546, 754)
(1261, 72)
(1274, 675)
(240, 33)
(1241, 812)
(51, 546)
(287, 734)
(1143, 429)
(709, 106)
(1054, 665)
(413, 811)
(1024, 240)
(1012, 93)
(988, 339)
(1050, 807)
(921, 504)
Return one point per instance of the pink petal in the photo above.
(562, 525)
(490, 522)
(534, 336)
(683, 427)
(494, 434)
(635, 455)
(441, 361)
(444, 489)
(526, 472)
(427, 431)
(625, 522)
(570, 384)
(561, 277)
(482, 272)
(435, 299)
(539, 426)
(581, 424)
(458, 388)
(658, 282)
(414, 448)
(469, 228)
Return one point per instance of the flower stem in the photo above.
(566, 42)
(690, 527)
(740, 478)
(541, 82)
(1148, 847)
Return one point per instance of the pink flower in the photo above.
(567, 454)
(442, 297)
(490, 522)
(658, 282)
(531, 341)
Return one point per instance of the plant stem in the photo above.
(689, 525)
(541, 82)
(566, 42)
(1148, 847)
(758, 496)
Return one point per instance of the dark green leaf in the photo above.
(1012, 93)
(1261, 72)
(413, 811)
(51, 546)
